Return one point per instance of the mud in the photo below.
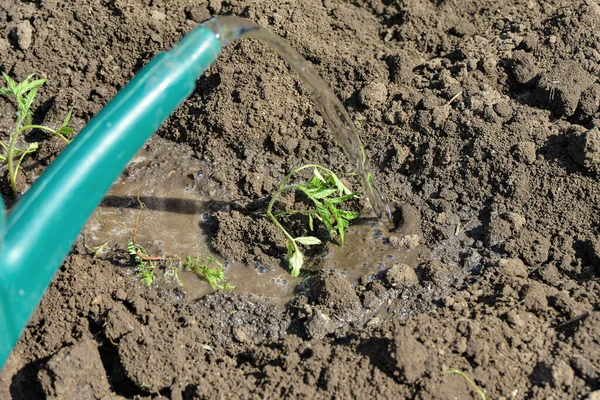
(481, 123)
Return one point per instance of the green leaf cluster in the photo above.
(211, 269)
(24, 94)
(326, 192)
(145, 268)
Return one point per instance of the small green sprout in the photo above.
(480, 392)
(24, 94)
(211, 269)
(326, 191)
(145, 265)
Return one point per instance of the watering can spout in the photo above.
(40, 230)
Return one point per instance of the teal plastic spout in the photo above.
(42, 227)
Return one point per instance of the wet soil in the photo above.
(482, 123)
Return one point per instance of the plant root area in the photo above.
(481, 123)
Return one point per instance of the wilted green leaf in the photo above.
(307, 240)
(296, 261)
(318, 175)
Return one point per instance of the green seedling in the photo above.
(144, 263)
(211, 269)
(480, 391)
(24, 94)
(326, 192)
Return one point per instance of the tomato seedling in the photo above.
(326, 192)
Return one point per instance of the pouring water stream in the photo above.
(228, 29)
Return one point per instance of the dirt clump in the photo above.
(585, 149)
(400, 274)
(561, 88)
(333, 292)
(410, 355)
(75, 372)
(242, 238)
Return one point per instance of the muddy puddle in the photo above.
(370, 249)
(157, 198)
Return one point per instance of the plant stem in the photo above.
(12, 172)
(44, 128)
(292, 212)
(270, 213)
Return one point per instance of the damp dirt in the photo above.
(480, 120)
(159, 198)
(162, 198)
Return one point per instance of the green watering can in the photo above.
(40, 230)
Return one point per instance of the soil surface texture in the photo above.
(481, 122)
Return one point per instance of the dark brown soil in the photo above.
(482, 115)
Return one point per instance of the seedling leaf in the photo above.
(307, 240)
(65, 130)
(296, 261)
(342, 199)
(67, 120)
(211, 269)
(10, 83)
(319, 193)
(26, 86)
(340, 185)
(318, 175)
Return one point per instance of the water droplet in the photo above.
(372, 277)
(378, 234)
(200, 174)
(379, 266)
(390, 256)
(205, 216)
(365, 265)
(227, 264)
